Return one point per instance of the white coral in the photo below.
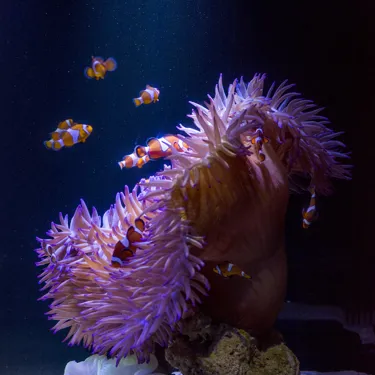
(100, 365)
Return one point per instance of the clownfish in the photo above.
(99, 67)
(310, 214)
(229, 269)
(258, 140)
(156, 148)
(125, 248)
(147, 96)
(67, 134)
(133, 160)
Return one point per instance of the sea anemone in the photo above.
(223, 199)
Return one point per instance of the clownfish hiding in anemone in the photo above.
(228, 269)
(67, 134)
(99, 67)
(147, 96)
(156, 148)
(125, 248)
(257, 141)
(310, 214)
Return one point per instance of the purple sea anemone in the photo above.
(223, 199)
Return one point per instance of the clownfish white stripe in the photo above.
(95, 63)
(307, 222)
(310, 209)
(164, 144)
(74, 134)
(85, 129)
(147, 149)
(218, 270)
(151, 92)
(117, 260)
(125, 242)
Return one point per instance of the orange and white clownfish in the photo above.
(147, 96)
(125, 248)
(99, 67)
(258, 140)
(229, 269)
(132, 160)
(67, 134)
(156, 148)
(310, 214)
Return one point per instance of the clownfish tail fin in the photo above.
(89, 73)
(110, 64)
(137, 102)
(48, 144)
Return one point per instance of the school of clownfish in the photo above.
(68, 133)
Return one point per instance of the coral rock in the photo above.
(223, 350)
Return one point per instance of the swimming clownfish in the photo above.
(132, 160)
(67, 134)
(156, 148)
(310, 214)
(147, 96)
(99, 67)
(229, 269)
(258, 140)
(124, 248)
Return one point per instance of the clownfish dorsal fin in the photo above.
(65, 125)
(173, 136)
(69, 122)
(151, 140)
(148, 87)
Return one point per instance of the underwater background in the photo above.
(180, 47)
